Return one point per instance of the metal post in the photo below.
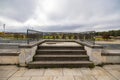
(27, 37)
(4, 28)
(94, 38)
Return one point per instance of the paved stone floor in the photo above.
(60, 44)
(107, 72)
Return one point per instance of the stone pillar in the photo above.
(26, 55)
(95, 54)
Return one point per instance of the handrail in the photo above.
(33, 35)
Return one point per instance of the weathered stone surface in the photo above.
(53, 72)
(108, 72)
(19, 73)
(7, 73)
(9, 56)
(60, 44)
(64, 78)
(3, 78)
(42, 78)
(85, 71)
(10, 67)
(94, 54)
(34, 72)
(101, 74)
(84, 77)
(111, 59)
(19, 78)
(26, 55)
(72, 71)
(112, 67)
(115, 73)
(9, 60)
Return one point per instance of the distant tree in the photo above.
(63, 36)
(106, 36)
(2, 34)
(111, 33)
(16, 35)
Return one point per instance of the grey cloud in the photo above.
(19, 10)
(66, 15)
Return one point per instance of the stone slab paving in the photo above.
(53, 72)
(9, 50)
(107, 72)
(60, 44)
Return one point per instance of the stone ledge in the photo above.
(59, 40)
(9, 46)
(31, 45)
(88, 45)
(10, 54)
(110, 54)
(9, 60)
(107, 52)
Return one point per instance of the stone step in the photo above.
(58, 64)
(61, 52)
(9, 52)
(61, 58)
(61, 47)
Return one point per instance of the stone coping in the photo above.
(31, 45)
(59, 40)
(10, 44)
(88, 44)
(9, 52)
(60, 44)
(110, 53)
(42, 41)
(62, 40)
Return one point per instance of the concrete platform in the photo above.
(9, 52)
(107, 72)
(9, 56)
(60, 44)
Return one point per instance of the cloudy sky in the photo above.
(60, 15)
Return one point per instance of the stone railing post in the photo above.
(94, 53)
(26, 55)
(27, 51)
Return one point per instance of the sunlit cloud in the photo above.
(60, 15)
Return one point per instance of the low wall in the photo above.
(27, 52)
(111, 56)
(15, 53)
(9, 46)
(9, 60)
(93, 51)
(9, 53)
(26, 55)
(94, 54)
(99, 55)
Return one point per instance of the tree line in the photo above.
(114, 33)
(108, 34)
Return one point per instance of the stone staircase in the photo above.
(60, 56)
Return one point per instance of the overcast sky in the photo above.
(60, 15)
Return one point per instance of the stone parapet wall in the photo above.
(27, 52)
(9, 56)
(26, 55)
(99, 55)
(94, 54)
(111, 56)
(110, 59)
(9, 60)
